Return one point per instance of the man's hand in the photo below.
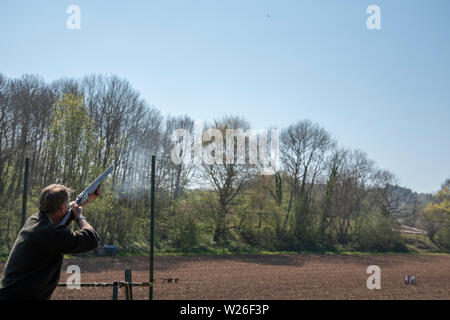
(82, 223)
(97, 193)
(77, 212)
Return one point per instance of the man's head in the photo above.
(54, 199)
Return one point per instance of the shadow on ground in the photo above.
(167, 263)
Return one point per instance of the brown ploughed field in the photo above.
(272, 277)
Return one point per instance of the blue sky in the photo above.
(383, 91)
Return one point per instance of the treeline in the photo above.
(325, 197)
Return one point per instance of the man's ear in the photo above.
(61, 210)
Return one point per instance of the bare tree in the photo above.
(352, 187)
(175, 176)
(29, 109)
(304, 146)
(335, 165)
(228, 179)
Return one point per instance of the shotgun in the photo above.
(83, 197)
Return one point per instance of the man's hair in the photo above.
(53, 198)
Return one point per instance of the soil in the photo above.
(271, 277)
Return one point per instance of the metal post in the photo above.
(115, 290)
(129, 287)
(152, 228)
(24, 199)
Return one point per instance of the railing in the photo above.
(128, 284)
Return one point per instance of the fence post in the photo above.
(129, 286)
(115, 290)
(24, 198)
(152, 226)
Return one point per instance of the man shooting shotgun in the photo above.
(34, 264)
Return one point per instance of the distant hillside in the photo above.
(409, 204)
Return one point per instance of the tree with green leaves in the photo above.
(435, 217)
(72, 143)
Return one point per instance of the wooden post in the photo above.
(129, 286)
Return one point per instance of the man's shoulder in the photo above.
(33, 218)
(33, 224)
(40, 224)
(57, 229)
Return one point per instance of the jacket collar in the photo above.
(45, 217)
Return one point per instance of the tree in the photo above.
(334, 167)
(435, 217)
(350, 192)
(228, 179)
(304, 146)
(175, 177)
(72, 143)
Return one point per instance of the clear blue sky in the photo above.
(385, 91)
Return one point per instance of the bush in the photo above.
(263, 239)
(443, 237)
(285, 241)
(376, 233)
(186, 234)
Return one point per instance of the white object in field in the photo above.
(406, 279)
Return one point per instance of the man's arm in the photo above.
(65, 241)
(83, 240)
(83, 224)
(80, 219)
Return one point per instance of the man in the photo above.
(34, 264)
